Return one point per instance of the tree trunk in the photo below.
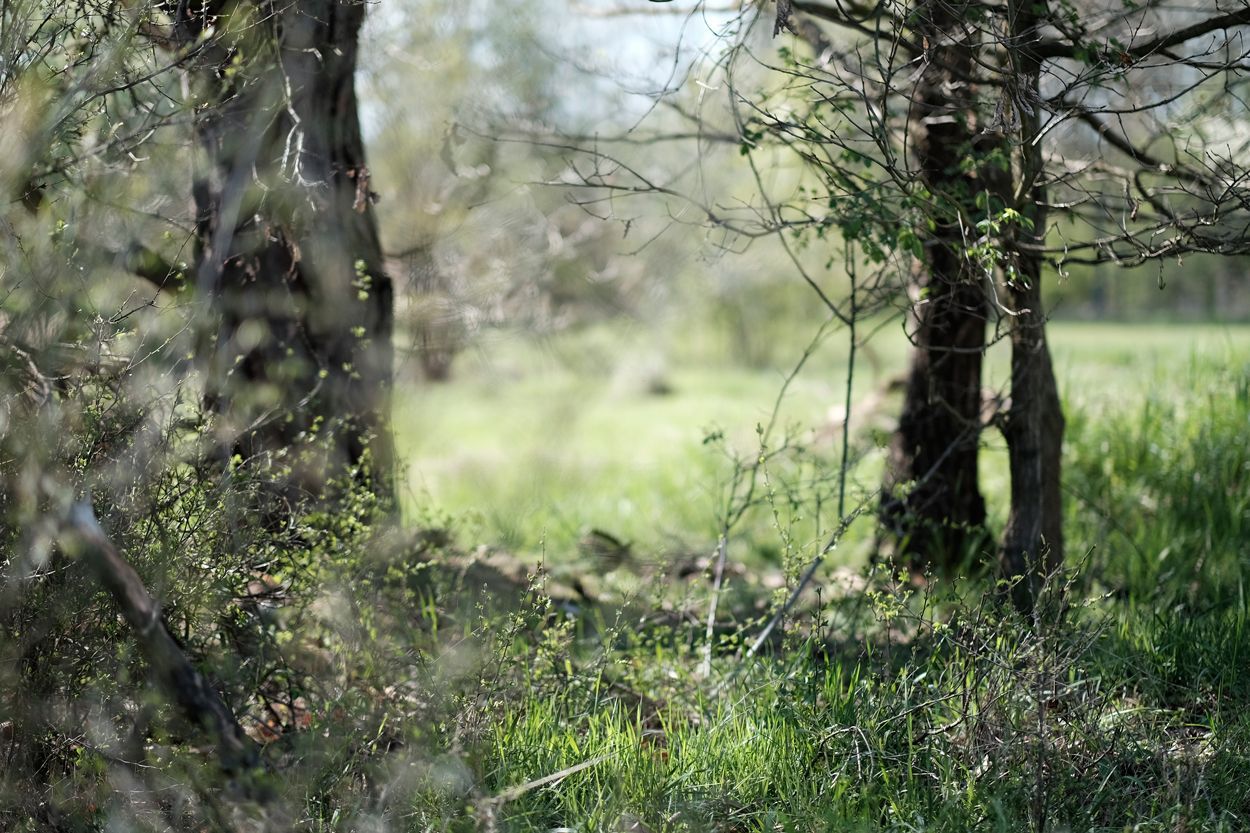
(287, 246)
(931, 506)
(1033, 541)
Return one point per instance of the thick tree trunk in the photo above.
(1033, 541)
(932, 508)
(288, 251)
(932, 504)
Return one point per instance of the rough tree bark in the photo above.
(932, 507)
(299, 368)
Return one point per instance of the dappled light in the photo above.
(624, 417)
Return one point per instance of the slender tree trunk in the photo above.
(932, 504)
(437, 326)
(932, 507)
(288, 251)
(1033, 541)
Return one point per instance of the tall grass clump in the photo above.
(939, 712)
(1159, 485)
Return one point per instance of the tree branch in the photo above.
(175, 674)
(1121, 143)
(137, 259)
(1049, 49)
(852, 16)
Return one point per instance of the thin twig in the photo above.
(513, 793)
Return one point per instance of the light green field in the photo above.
(534, 443)
(897, 706)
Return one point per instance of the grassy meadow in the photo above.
(621, 572)
(884, 703)
(536, 442)
(497, 665)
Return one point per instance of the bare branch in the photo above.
(175, 674)
(1067, 48)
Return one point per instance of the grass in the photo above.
(411, 685)
(892, 706)
(534, 443)
(927, 709)
(804, 745)
(553, 451)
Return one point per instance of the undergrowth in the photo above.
(409, 680)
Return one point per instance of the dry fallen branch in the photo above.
(174, 673)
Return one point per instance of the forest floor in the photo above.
(545, 645)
